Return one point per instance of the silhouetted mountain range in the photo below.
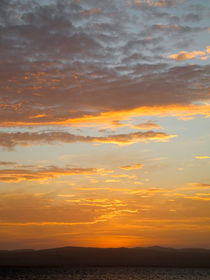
(79, 256)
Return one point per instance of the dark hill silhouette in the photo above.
(79, 256)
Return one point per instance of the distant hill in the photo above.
(79, 256)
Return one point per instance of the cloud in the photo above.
(91, 12)
(46, 210)
(195, 197)
(124, 176)
(152, 3)
(3, 163)
(184, 55)
(147, 125)
(97, 61)
(42, 173)
(174, 29)
(133, 166)
(194, 17)
(126, 139)
(175, 110)
(145, 192)
(112, 181)
(200, 185)
(99, 202)
(195, 186)
(202, 157)
(11, 139)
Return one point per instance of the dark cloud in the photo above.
(192, 17)
(171, 30)
(57, 95)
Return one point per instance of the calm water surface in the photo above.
(108, 273)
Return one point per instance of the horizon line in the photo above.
(121, 247)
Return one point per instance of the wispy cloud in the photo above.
(12, 139)
(32, 174)
(132, 166)
(195, 186)
(147, 125)
(3, 163)
(154, 3)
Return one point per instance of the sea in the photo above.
(102, 273)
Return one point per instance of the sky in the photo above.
(104, 123)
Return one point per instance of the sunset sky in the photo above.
(105, 123)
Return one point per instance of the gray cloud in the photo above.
(11, 139)
(66, 59)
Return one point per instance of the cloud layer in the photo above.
(66, 60)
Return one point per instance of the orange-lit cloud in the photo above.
(153, 3)
(179, 111)
(147, 125)
(138, 183)
(184, 55)
(199, 185)
(195, 186)
(132, 166)
(3, 163)
(10, 140)
(17, 175)
(112, 181)
(38, 116)
(132, 191)
(124, 176)
(126, 139)
(84, 211)
(198, 198)
(202, 157)
(101, 202)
